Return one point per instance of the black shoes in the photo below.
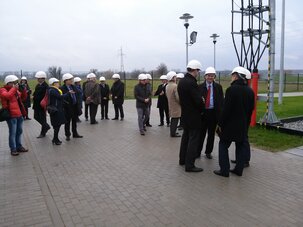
(94, 123)
(107, 118)
(234, 171)
(22, 149)
(149, 125)
(193, 169)
(56, 142)
(14, 153)
(77, 136)
(122, 119)
(208, 156)
(68, 138)
(176, 135)
(142, 133)
(161, 124)
(115, 118)
(219, 173)
(41, 136)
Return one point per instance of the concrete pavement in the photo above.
(116, 177)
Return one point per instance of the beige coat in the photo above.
(173, 100)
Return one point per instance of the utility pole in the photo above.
(121, 63)
(281, 81)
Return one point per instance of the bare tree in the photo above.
(107, 74)
(134, 74)
(55, 71)
(95, 71)
(161, 69)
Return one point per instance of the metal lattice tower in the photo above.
(121, 58)
(253, 30)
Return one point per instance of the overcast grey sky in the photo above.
(84, 34)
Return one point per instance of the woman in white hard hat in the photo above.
(55, 108)
(27, 102)
(38, 95)
(11, 99)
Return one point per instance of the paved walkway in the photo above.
(115, 177)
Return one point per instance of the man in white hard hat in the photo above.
(84, 98)
(39, 93)
(11, 100)
(27, 102)
(104, 91)
(142, 95)
(192, 106)
(92, 94)
(117, 93)
(162, 103)
(213, 95)
(77, 83)
(71, 105)
(234, 122)
(149, 87)
(173, 103)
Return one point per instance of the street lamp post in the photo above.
(214, 36)
(186, 17)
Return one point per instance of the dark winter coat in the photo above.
(38, 95)
(162, 99)
(71, 109)
(217, 95)
(142, 92)
(27, 102)
(117, 90)
(92, 90)
(238, 106)
(192, 104)
(104, 92)
(56, 100)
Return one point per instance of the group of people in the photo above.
(201, 109)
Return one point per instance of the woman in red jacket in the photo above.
(12, 99)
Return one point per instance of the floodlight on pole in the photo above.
(186, 17)
(214, 37)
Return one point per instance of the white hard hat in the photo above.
(194, 64)
(40, 74)
(163, 77)
(91, 75)
(53, 80)
(102, 78)
(180, 75)
(149, 77)
(243, 72)
(142, 76)
(170, 75)
(116, 76)
(23, 78)
(67, 76)
(77, 79)
(210, 70)
(10, 78)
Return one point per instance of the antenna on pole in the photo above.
(121, 58)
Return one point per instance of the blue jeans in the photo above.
(15, 132)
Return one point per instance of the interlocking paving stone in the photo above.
(116, 177)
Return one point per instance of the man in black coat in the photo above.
(71, 106)
(234, 123)
(162, 103)
(38, 95)
(213, 95)
(104, 90)
(192, 105)
(84, 99)
(117, 92)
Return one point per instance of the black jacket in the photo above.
(238, 106)
(217, 96)
(70, 108)
(56, 99)
(38, 95)
(142, 92)
(162, 99)
(192, 104)
(117, 89)
(104, 91)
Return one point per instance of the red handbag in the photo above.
(44, 101)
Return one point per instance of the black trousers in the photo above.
(40, 116)
(189, 147)
(93, 108)
(56, 133)
(72, 118)
(163, 110)
(241, 155)
(104, 109)
(119, 108)
(86, 110)
(209, 124)
(247, 150)
(173, 126)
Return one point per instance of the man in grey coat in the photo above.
(92, 94)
